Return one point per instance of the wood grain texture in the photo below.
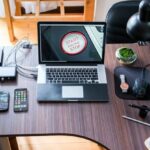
(56, 143)
(101, 122)
(86, 16)
(13, 143)
(9, 20)
(88, 10)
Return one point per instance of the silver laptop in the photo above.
(71, 62)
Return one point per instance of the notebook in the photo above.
(71, 62)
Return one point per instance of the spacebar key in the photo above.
(70, 82)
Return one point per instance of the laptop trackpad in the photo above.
(72, 92)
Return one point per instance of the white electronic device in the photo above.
(7, 73)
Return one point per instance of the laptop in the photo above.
(71, 62)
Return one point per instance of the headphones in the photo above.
(139, 88)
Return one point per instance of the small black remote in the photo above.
(20, 100)
(4, 101)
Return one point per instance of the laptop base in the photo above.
(80, 92)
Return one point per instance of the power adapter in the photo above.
(7, 73)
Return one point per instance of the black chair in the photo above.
(116, 20)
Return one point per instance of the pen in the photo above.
(135, 120)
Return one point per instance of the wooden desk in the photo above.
(101, 122)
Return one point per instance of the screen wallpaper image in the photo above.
(71, 43)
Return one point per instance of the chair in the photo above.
(116, 20)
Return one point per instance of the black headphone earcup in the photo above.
(139, 88)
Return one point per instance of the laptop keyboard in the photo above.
(72, 75)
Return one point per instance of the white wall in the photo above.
(102, 7)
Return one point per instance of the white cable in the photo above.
(33, 69)
(27, 75)
(22, 70)
(16, 48)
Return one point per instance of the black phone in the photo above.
(4, 101)
(20, 100)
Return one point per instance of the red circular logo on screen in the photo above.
(73, 43)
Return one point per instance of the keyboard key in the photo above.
(74, 82)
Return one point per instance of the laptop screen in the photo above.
(71, 42)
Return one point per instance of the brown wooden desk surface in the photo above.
(99, 121)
